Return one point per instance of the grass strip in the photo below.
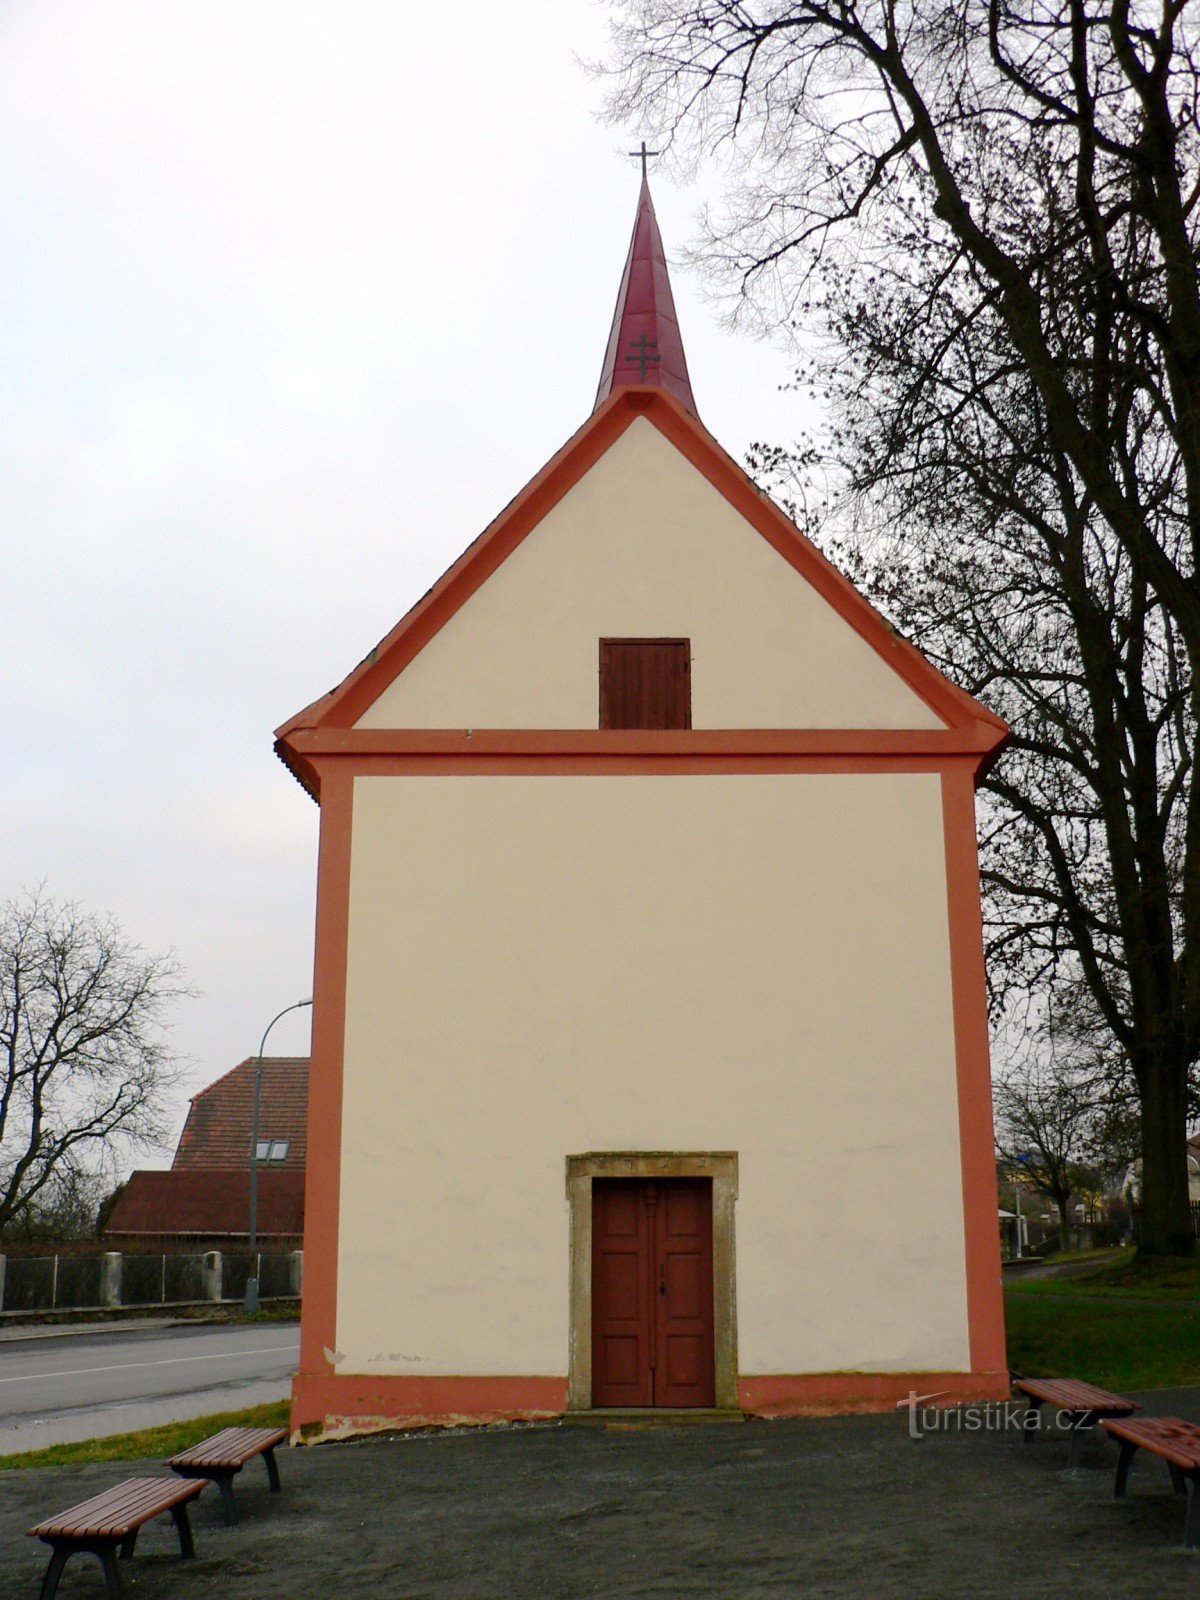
(1126, 1345)
(168, 1440)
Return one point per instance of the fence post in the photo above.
(3, 1263)
(296, 1272)
(212, 1274)
(110, 1278)
(54, 1284)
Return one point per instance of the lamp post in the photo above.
(251, 1301)
(1024, 1159)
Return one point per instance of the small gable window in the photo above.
(272, 1149)
(645, 683)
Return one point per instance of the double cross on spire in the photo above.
(645, 345)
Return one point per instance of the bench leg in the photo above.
(1124, 1462)
(1178, 1481)
(1191, 1527)
(105, 1552)
(1080, 1422)
(272, 1471)
(58, 1560)
(224, 1483)
(129, 1545)
(1031, 1421)
(112, 1573)
(179, 1516)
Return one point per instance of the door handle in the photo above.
(662, 1278)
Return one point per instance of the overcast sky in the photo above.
(296, 297)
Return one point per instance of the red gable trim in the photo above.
(471, 743)
(344, 705)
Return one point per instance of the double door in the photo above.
(652, 1292)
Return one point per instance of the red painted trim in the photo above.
(361, 688)
(797, 1394)
(318, 1318)
(985, 1301)
(353, 1404)
(337, 1405)
(415, 766)
(310, 742)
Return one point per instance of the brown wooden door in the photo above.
(684, 1368)
(652, 1292)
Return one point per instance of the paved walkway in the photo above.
(846, 1507)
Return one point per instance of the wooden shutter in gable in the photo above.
(645, 683)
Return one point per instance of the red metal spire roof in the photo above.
(645, 345)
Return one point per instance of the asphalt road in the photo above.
(55, 1390)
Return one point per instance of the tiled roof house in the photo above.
(219, 1125)
(206, 1194)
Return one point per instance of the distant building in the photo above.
(205, 1196)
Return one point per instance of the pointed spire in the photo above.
(645, 345)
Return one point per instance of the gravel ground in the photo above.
(847, 1506)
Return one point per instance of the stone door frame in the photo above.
(722, 1168)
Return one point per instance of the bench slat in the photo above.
(118, 1511)
(1070, 1394)
(1171, 1438)
(112, 1509)
(232, 1447)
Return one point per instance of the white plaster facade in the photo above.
(539, 966)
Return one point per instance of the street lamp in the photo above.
(1024, 1159)
(252, 1281)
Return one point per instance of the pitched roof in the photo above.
(219, 1125)
(209, 1202)
(328, 723)
(645, 344)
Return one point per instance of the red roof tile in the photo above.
(209, 1203)
(219, 1125)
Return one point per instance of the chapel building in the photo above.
(650, 1051)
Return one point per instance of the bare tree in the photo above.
(69, 1206)
(85, 1065)
(992, 209)
(1042, 1124)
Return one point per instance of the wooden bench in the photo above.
(108, 1524)
(222, 1457)
(1082, 1405)
(1172, 1440)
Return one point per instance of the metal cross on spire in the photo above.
(642, 356)
(644, 154)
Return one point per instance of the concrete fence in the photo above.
(107, 1281)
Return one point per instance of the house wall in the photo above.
(644, 546)
(543, 966)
